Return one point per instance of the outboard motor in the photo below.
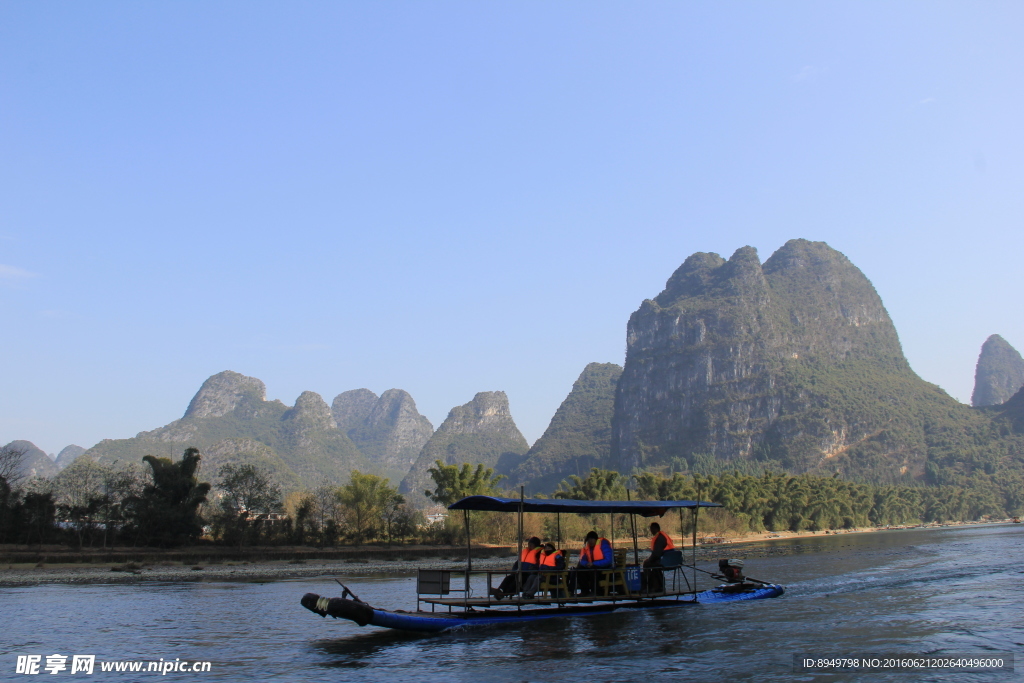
(731, 570)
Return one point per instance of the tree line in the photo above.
(775, 501)
(164, 503)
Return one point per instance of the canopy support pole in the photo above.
(632, 523)
(682, 539)
(469, 554)
(519, 562)
(696, 509)
(682, 530)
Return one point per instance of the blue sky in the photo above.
(460, 197)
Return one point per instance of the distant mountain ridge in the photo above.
(579, 436)
(999, 373)
(479, 432)
(795, 361)
(230, 420)
(389, 430)
(792, 364)
(230, 414)
(34, 461)
(68, 455)
(351, 408)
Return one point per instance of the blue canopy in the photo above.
(644, 508)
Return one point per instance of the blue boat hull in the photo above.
(434, 622)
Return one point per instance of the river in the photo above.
(957, 590)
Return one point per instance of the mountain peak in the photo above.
(351, 408)
(999, 373)
(578, 436)
(708, 274)
(223, 392)
(68, 455)
(311, 411)
(34, 461)
(481, 431)
(392, 432)
(488, 411)
(734, 357)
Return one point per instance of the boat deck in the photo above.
(576, 600)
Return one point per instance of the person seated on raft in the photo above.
(596, 554)
(551, 560)
(528, 562)
(654, 578)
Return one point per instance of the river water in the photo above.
(908, 592)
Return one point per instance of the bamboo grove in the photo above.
(776, 501)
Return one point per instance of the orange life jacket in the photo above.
(668, 541)
(550, 560)
(593, 555)
(530, 556)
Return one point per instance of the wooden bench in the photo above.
(555, 583)
(614, 579)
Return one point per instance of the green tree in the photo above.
(248, 491)
(369, 506)
(7, 505)
(400, 520)
(324, 512)
(167, 511)
(11, 471)
(120, 487)
(304, 527)
(453, 483)
(248, 488)
(12, 512)
(39, 514)
(81, 497)
(598, 485)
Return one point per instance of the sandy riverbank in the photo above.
(31, 575)
(27, 574)
(783, 535)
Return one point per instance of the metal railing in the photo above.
(456, 587)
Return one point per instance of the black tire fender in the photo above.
(339, 608)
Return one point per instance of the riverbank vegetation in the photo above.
(775, 501)
(164, 503)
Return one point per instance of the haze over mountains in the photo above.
(35, 462)
(791, 364)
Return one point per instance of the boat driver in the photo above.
(654, 577)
